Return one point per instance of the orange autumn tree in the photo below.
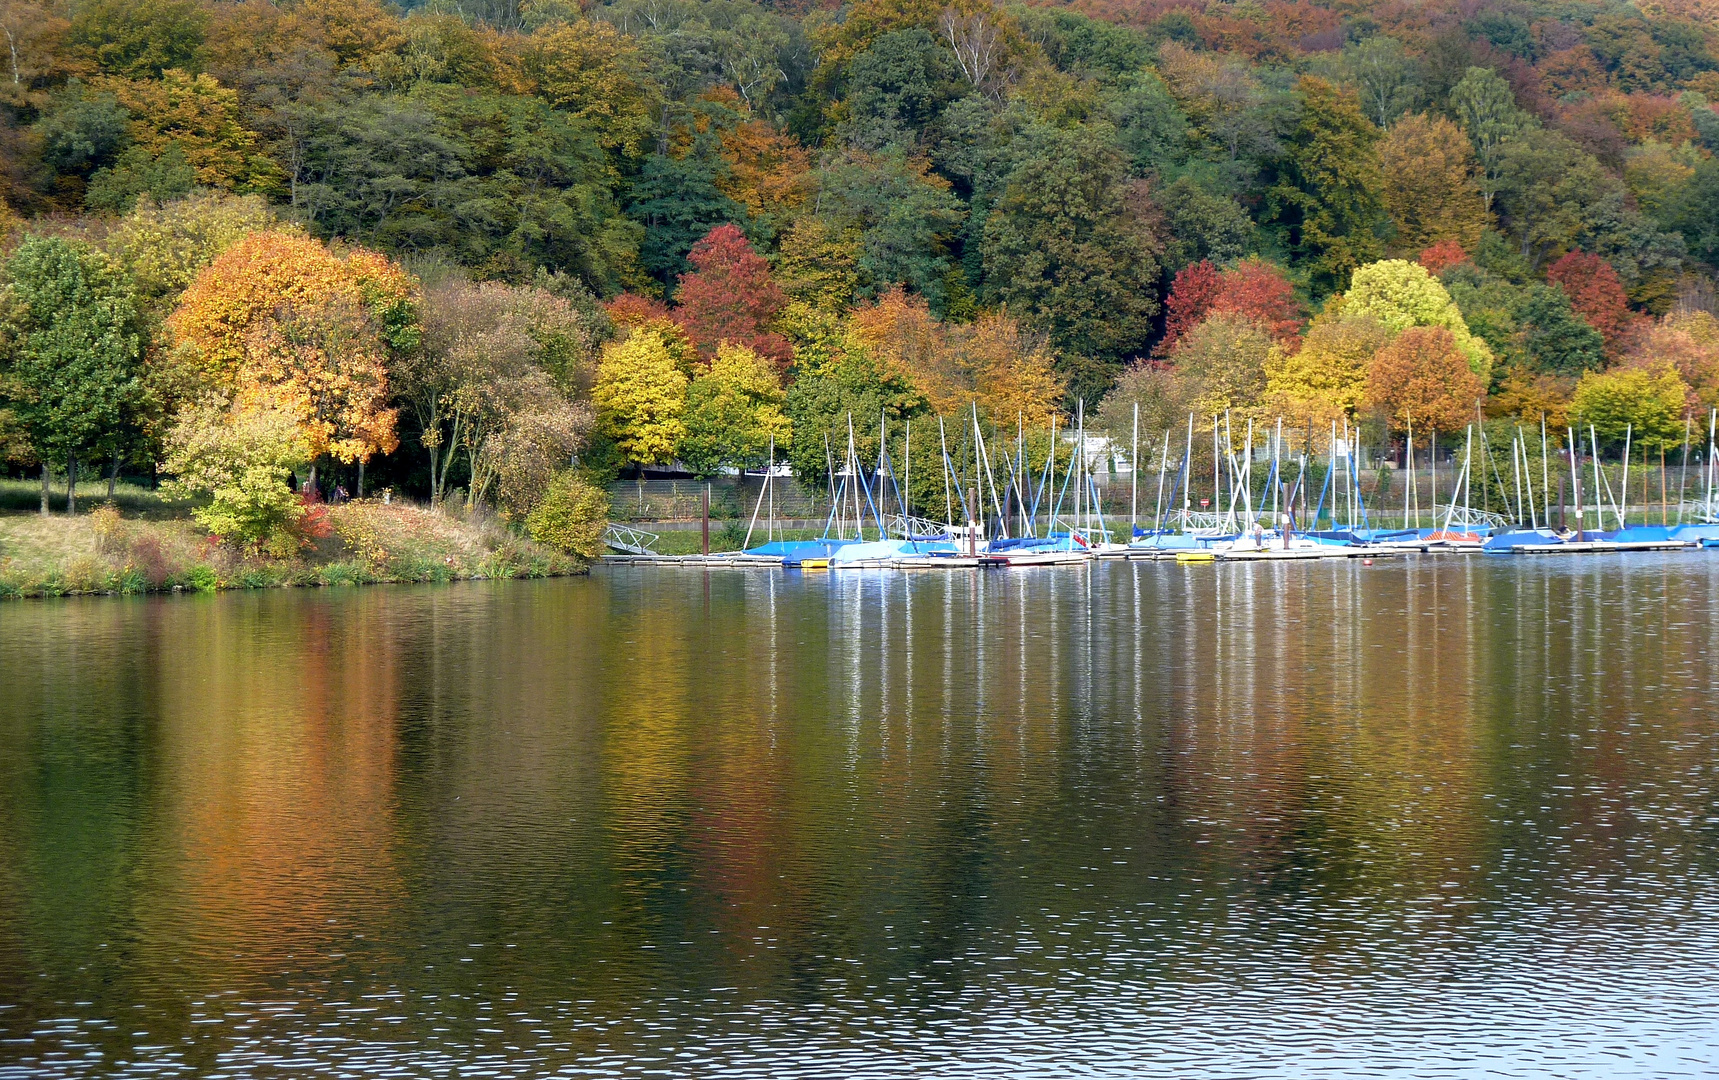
(992, 361)
(1423, 377)
(280, 320)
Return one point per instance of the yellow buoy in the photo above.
(814, 564)
(1195, 557)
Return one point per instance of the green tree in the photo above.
(902, 213)
(139, 174)
(486, 179)
(1549, 192)
(1696, 213)
(69, 351)
(1150, 127)
(1558, 341)
(850, 384)
(571, 516)
(1070, 248)
(81, 129)
(138, 39)
(677, 202)
(241, 460)
(1326, 200)
(1486, 109)
(733, 410)
(640, 396)
(1384, 73)
(1201, 225)
(895, 88)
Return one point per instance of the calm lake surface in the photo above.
(1435, 816)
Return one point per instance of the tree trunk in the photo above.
(71, 483)
(44, 488)
(113, 476)
(360, 478)
(312, 480)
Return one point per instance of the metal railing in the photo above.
(629, 540)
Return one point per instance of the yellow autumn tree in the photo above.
(640, 396)
(325, 365)
(1327, 378)
(1428, 170)
(279, 319)
(201, 118)
(1014, 372)
(1401, 294)
(164, 245)
(591, 70)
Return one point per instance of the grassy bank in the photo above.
(141, 543)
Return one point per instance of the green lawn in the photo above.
(133, 500)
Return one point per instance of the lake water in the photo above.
(1450, 816)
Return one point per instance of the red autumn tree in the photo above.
(1190, 299)
(1443, 254)
(1258, 290)
(1253, 288)
(729, 296)
(1597, 296)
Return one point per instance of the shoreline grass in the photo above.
(142, 544)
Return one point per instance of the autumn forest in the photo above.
(502, 252)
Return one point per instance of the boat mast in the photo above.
(1516, 475)
(1432, 459)
(1163, 460)
(1683, 472)
(948, 501)
(1134, 478)
(1467, 478)
(1629, 429)
(1409, 487)
(1545, 474)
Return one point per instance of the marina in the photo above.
(1035, 520)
